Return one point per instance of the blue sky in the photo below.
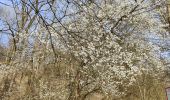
(5, 1)
(3, 37)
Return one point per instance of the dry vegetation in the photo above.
(59, 82)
